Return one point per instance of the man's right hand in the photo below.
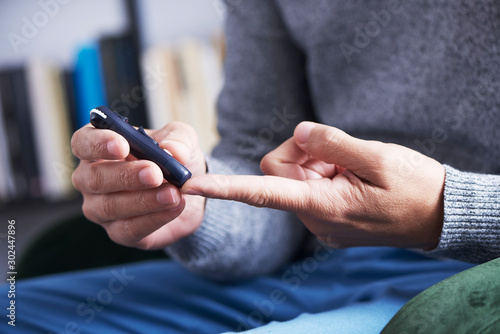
(129, 197)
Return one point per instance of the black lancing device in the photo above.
(142, 146)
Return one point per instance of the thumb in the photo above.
(334, 146)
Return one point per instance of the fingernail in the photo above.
(167, 196)
(146, 176)
(114, 148)
(302, 131)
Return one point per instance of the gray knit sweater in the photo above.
(421, 73)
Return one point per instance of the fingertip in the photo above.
(115, 149)
(124, 147)
(151, 176)
(302, 131)
(157, 174)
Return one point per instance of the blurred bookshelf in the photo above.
(153, 61)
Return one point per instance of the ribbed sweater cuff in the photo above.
(471, 227)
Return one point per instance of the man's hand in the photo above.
(347, 191)
(129, 197)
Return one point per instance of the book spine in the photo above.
(68, 83)
(162, 91)
(51, 129)
(88, 84)
(24, 121)
(16, 181)
(7, 185)
(19, 134)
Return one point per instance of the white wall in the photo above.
(55, 29)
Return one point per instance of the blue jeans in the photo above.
(355, 290)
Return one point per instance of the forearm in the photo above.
(471, 227)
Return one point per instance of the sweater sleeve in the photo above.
(471, 227)
(264, 97)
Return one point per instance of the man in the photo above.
(417, 75)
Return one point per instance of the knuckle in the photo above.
(334, 139)
(260, 198)
(221, 186)
(144, 201)
(126, 177)
(182, 132)
(94, 180)
(174, 124)
(180, 125)
(101, 147)
(108, 207)
(335, 136)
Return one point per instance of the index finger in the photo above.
(89, 143)
(261, 191)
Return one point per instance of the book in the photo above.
(7, 185)
(41, 105)
(160, 77)
(16, 183)
(68, 86)
(51, 130)
(17, 122)
(201, 81)
(88, 84)
(188, 81)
